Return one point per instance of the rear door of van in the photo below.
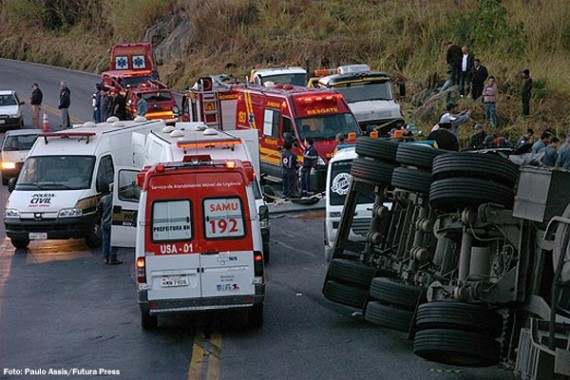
(126, 196)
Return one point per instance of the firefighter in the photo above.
(288, 170)
(310, 157)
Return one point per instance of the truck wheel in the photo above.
(351, 271)
(255, 316)
(458, 316)
(382, 150)
(377, 172)
(148, 322)
(389, 316)
(475, 165)
(396, 292)
(345, 294)
(456, 347)
(20, 243)
(457, 193)
(416, 181)
(419, 155)
(93, 238)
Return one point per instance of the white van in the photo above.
(198, 238)
(56, 194)
(172, 144)
(15, 149)
(338, 185)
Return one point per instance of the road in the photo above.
(62, 309)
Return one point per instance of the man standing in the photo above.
(454, 58)
(142, 106)
(36, 101)
(64, 102)
(479, 75)
(526, 89)
(105, 211)
(466, 69)
(97, 103)
(120, 105)
(289, 170)
(310, 157)
(490, 101)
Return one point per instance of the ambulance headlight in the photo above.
(11, 213)
(8, 165)
(69, 212)
(320, 162)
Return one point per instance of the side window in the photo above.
(287, 126)
(105, 171)
(223, 218)
(271, 123)
(127, 187)
(171, 220)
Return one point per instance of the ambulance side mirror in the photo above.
(12, 184)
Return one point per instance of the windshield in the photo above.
(294, 79)
(131, 81)
(8, 100)
(56, 173)
(361, 91)
(21, 142)
(326, 127)
(154, 97)
(340, 184)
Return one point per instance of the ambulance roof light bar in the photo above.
(67, 135)
(222, 143)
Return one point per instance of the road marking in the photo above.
(206, 357)
(293, 248)
(55, 111)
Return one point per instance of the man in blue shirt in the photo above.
(142, 106)
(288, 169)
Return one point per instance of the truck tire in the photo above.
(351, 272)
(383, 150)
(419, 155)
(148, 322)
(255, 316)
(456, 347)
(396, 292)
(20, 243)
(459, 316)
(475, 165)
(389, 316)
(416, 181)
(457, 193)
(377, 172)
(93, 238)
(345, 294)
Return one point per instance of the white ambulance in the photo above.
(198, 238)
(56, 194)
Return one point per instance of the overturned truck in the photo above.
(471, 260)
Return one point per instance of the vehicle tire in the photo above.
(345, 294)
(93, 238)
(389, 316)
(351, 272)
(255, 316)
(459, 316)
(457, 193)
(396, 292)
(20, 243)
(475, 165)
(416, 181)
(455, 347)
(148, 322)
(420, 155)
(377, 172)
(383, 150)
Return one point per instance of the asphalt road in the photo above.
(62, 309)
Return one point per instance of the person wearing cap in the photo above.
(527, 138)
(477, 140)
(36, 102)
(526, 89)
(443, 135)
(64, 103)
(489, 101)
(456, 119)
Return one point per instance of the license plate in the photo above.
(169, 282)
(2, 121)
(38, 235)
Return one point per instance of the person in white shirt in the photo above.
(466, 69)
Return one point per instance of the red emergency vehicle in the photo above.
(138, 56)
(161, 103)
(199, 244)
(123, 80)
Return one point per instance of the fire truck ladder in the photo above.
(212, 112)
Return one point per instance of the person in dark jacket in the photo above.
(443, 135)
(526, 90)
(120, 105)
(97, 103)
(551, 152)
(288, 170)
(479, 75)
(106, 104)
(64, 103)
(466, 70)
(477, 140)
(105, 211)
(36, 102)
(454, 57)
(310, 157)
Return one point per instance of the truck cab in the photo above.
(296, 76)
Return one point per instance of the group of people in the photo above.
(109, 102)
(64, 103)
(290, 166)
(555, 153)
(467, 71)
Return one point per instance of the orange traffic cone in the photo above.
(45, 123)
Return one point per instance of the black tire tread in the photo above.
(419, 155)
(475, 165)
(379, 149)
(447, 194)
(351, 272)
(388, 316)
(396, 292)
(417, 181)
(345, 294)
(377, 172)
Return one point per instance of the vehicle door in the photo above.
(126, 195)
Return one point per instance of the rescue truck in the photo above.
(270, 76)
(369, 96)
(296, 113)
(161, 103)
(198, 243)
(138, 56)
(123, 80)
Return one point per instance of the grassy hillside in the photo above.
(407, 37)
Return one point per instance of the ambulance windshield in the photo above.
(326, 127)
(56, 173)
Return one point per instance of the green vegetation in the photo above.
(396, 36)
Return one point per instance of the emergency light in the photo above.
(208, 144)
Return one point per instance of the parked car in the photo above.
(11, 115)
(15, 149)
